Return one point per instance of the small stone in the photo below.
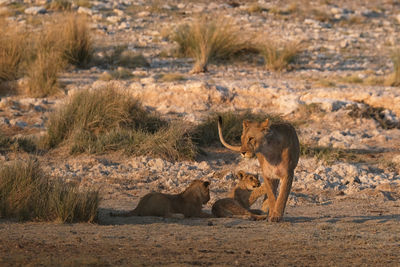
(85, 10)
(35, 10)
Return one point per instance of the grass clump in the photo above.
(170, 77)
(208, 39)
(279, 56)
(26, 193)
(76, 42)
(96, 121)
(25, 144)
(60, 5)
(122, 57)
(12, 51)
(394, 79)
(206, 133)
(41, 56)
(43, 74)
(118, 74)
(330, 155)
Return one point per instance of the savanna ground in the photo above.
(330, 68)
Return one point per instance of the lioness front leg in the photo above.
(271, 186)
(277, 213)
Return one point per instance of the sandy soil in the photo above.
(345, 232)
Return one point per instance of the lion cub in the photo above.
(243, 195)
(189, 203)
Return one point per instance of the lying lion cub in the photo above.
(243, 195)
(189, 203)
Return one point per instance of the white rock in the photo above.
(85, 10)
(35, 10)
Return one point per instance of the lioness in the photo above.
(243, 195)
(277, 149)
(188, 203)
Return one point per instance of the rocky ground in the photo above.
(341, 212)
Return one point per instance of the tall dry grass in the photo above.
(394, 78)
(76, 42)
(107, 119)
(13, 44)
(27, 193)
(206, 39)
(279, 55)
(42, 55)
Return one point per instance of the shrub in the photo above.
(43, 74)
(96, 112)
(394, 79)
(76, 42)
(206, 133)
(60, 5)
(12, 51)
(208, 39)
(26, 193)
(279, 55)
(96, 121)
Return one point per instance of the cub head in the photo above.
(252, 137)
(249, 180)
(198, 191)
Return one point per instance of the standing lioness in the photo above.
(189, 203)
(277, 149)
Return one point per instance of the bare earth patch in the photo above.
(345, 232)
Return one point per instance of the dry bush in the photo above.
(122, 57)
(12, 51)
(75, 40)
(207, 39)
(394, 79)
(96, 121)
(60, 5)
(279, 55)
(43, 74)
(26, 193)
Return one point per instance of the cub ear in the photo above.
(206, 184)
(265, 124)
(245, 124)
(240, 174)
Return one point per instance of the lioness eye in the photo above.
(251, 139)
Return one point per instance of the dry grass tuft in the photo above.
(207, 39)
(43, 74)
(12, 51)
(41, 56)
(279, 56)
(97, 121)
(26, 193)
(394, 79)
(76, 43)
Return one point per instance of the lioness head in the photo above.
(198, 191)
(252, 137)
(249, 180)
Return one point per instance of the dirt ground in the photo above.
(347, 232)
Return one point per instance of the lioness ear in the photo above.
(245, 124)
(206, 184)
(265, 124)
